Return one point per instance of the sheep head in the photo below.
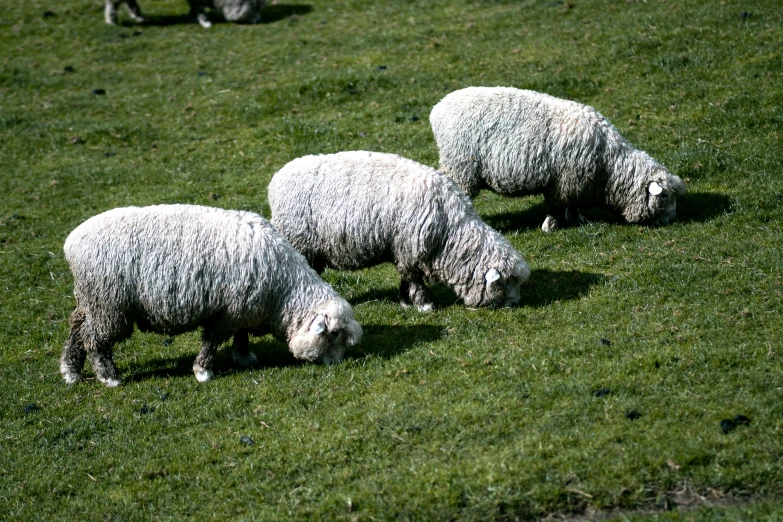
(650, 192)
(499, 287)
(325, 333)
(662, 190)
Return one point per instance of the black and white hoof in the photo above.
(202, 374)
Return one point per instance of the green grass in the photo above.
(456, 415)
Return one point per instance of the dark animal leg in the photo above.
(211, 338)
(110, 12)
(318, 264)
(573, 216)
(413, 292)
(74, 354)
(555, 214)
(242, 354)
(134, 11)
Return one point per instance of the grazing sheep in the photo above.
(173, 268)
(240, 11)
(520, 142)
(357, 209)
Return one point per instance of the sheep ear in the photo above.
(654, 188)
(492, 276)
(319, 325)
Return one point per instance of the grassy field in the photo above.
(459, 414)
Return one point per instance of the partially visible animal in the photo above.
(239, 11)
(357, 209)
(175, 268)
(519, 142)
(134, 11)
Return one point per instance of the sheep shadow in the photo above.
(700, 207)
(271, 353)
(549, 286)
(274, 13)
(691, 208)
(528, 219)
(269, 14)
(533, 217)
(442, 295)
(378, 340)
(387, 341)
(161, 21)
(542, 289)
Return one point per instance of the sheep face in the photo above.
(497, 290)
(661, 192)
(326, 334)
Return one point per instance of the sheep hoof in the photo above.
(70, 376)
(203, 375)
(110, 383)
(203, 21)
(245, 360)
(550, 224)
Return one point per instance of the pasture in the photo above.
(459, 414)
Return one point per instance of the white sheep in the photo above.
(520, 142)
(240, 11)
(174, 268)
(357, 209)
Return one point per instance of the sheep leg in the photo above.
(561, 216)
(134, 11)
(413, 292)
(318, 264)
(211, 338)
(102, 364)
(110, 12)
(100, 331)
(203, 21)
(573, 216)
(197, 14)
(242, 354)
(98, 343)
(551, 223)
(74, 354)
(555, 213)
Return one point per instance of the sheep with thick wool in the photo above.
(239, 11)
(174, 268)
(357, 209)
(520, 142)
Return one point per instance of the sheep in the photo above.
(174, 268)
(357, 209)
(520, 142)
(240, 11)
